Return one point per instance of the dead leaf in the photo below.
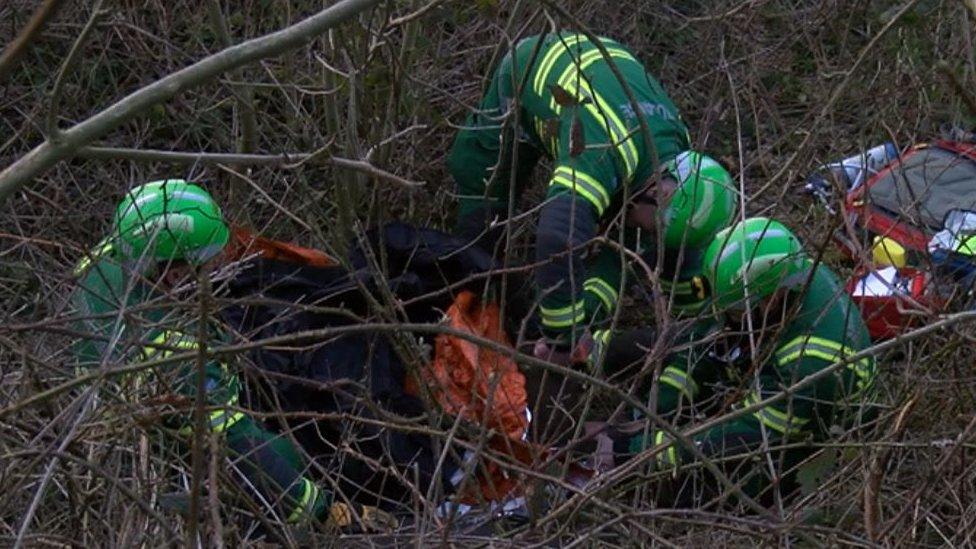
(563, 98)
(577, 143)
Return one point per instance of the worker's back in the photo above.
(823, 327)
(558, 71)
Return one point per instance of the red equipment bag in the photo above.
(909, 198)
(889, 315)
(907, 201)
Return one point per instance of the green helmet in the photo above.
(170, 219)
(703, 204)
(755, 257)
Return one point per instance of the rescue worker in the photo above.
(165, 234)
(557, 96)
(803, 323)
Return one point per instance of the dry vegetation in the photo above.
(772, 87)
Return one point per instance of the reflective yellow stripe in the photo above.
(220, 421)
(829, 356)
(803, 340)
(679, 288)
(670, 455)
(774, 419)
(104, 247)
(585, 60)
(677, 378)
(603, 115)
(831, 351)
(623, 142)
(557, 48)
(310, 492)
(603, 290)
(600, 339)
(170, 339)
(584, 184)
(617, 133)
(563, 317)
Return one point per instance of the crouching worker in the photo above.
(137, 303)
(784, 364)
(557, 96)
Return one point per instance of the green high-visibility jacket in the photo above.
(824, 327)
(125, 320)
(572, 109)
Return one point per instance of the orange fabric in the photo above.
(485, 388)
(243, 242)
(475, 382)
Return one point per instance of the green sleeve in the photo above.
(682, 281)
(807, 412)
(581, 188)
(270, 462)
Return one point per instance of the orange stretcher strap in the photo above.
(243, 243)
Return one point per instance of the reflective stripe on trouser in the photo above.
(785, 424)
(864, 369)
(305, 506)
(677, 378)
(669, 456)
(602, 289)
(600, 340)
(563, 317)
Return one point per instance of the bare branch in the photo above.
(285, 160)
(47, 154)
(242, 93)
(51, 124)
(34, 27)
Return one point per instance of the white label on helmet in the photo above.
(766, 233)
(682, 165)
(757, 267)
(706, 203)
(728, 250)
(178, 223)
(174, 223)
(191, 195)
(137, 203)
